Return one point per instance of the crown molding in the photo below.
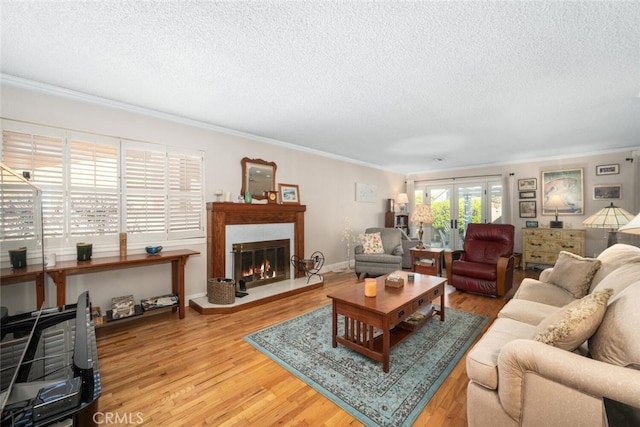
(52, 90)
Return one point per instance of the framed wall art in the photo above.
(562, 192)
(612, 169)
(528, 209)
(289, 193)
(527, 184)
(607, 192)
(366, 193)
(527, 194)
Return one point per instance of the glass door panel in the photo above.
(495, 203)
(440, 200)
(454, 206)
(469, 205)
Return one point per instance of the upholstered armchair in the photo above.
(380, 252)
(485, 264)
(407, 244)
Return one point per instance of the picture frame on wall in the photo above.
(366, 193)
(562, 192)
(527, 194)
(607, 192)
(289, 193)
(528, 209)
(527, 184)
(612, 169)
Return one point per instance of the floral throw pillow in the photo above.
(372, 243)
(574, 323)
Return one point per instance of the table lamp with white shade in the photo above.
(632, 227)
(402, 200)
(556, 202)
(613, 218)
(422, 215)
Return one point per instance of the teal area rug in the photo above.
(357, 384)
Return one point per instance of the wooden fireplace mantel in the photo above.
(221, 214)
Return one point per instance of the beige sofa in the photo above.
(525, 371)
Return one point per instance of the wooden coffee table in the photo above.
(384, 311)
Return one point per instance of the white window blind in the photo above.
(163, 191)
(38, 150)
(186, 196)
(19, 209)
(145, 188)
(96, 186)
(93, 186)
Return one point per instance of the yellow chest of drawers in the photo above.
(542, 245)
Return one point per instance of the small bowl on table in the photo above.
(153, 250)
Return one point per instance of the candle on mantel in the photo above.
(369, 287)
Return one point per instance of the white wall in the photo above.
(327, 188)
(596, 238)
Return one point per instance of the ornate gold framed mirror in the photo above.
(258, 177)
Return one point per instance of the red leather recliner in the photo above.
(485, 265)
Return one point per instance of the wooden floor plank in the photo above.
(199, 370)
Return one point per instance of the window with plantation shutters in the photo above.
(163, 191)
(38, 151)
(95, 186)
(186, 201)
(145, 188)
(20, 211)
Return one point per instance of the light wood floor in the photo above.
(199, 371)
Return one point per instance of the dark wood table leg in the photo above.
(334, 325)
(386, 344)
(442, 303)
(177, 283)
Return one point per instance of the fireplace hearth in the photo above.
(260, 263)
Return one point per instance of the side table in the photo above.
(434, 256)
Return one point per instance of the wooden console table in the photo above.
(178, 259)
(34, 272)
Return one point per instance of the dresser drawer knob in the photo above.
(421, 301)
(401, 313)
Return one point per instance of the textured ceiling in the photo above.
(405, 86)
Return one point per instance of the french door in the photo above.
(454, 206)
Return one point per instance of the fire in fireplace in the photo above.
(260, 263)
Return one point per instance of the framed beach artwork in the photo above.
(563, 192)
(289, 193)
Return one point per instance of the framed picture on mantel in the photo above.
(289, 193)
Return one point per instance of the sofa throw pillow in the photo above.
(574, 273)
(573, 324)
(616, 340)
(372, 243)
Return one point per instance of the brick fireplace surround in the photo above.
(222, 214)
